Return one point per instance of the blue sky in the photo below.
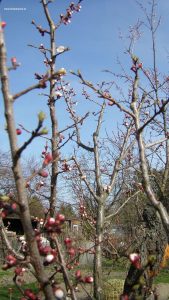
(93, 37)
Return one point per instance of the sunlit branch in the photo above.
(83, 177)
(121, 207)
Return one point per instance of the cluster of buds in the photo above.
(29, 294)
(11, 261)
(82, 210)
(71, 251)
(54, 224)
(47, 158)
(49, 253)
(58, 92)
(41, 30)
(66, 167)
(136, 64)
(46, 251)
(19, 271)
(86, 279)
(85, 215)
(66, 19)
(6, 208)
(85, 94)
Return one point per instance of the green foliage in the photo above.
(67, 210)
(116, 265)
(36, 207)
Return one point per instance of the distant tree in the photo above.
(67, 210)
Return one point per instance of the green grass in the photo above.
(15, 293)
(5, 273)
(163, 277)
(116, 265)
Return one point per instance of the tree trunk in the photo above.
(98, 284)
(150, 243)
(19, 179)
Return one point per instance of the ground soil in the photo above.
(163, 290)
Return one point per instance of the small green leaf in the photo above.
(41, 116)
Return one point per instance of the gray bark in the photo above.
(98, 284)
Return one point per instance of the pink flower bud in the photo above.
(43, 173)
(60, 217)
(89, 279)
(78, 274)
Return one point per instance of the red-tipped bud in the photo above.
(13, 60)
(18, 131)
(67, 241)
(29, 293)
(88, 279)
(3, 24)
(135, 259)
(48, 159)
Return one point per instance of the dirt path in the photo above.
(163, 290)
